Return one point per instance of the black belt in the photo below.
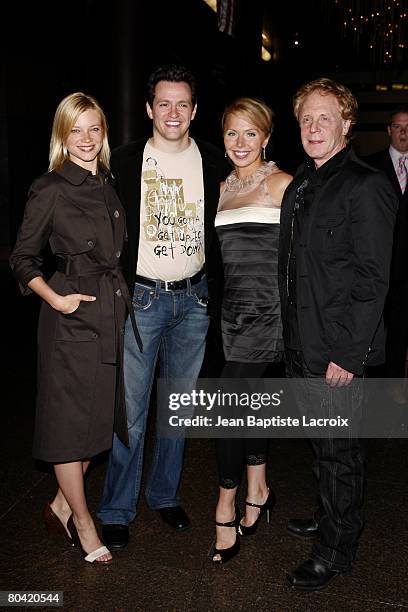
(170, 285)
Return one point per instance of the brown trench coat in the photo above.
(80, 398)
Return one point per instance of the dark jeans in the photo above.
(233, 453)
(338, 465)
(173, 326)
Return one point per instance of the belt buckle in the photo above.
(166, 285)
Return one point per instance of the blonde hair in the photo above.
(65, 117)
(257, 112)
(347, 102)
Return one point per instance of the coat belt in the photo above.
(110, 276)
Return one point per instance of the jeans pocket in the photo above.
(142, 297)
(201, 300)
(200, 293)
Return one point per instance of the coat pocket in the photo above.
(330, 221)
(74, 230)
(331, 234)
(83, 324)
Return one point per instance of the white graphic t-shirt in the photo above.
(171, 245)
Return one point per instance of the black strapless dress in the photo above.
(251, 317)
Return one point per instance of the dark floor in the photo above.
(163, 570)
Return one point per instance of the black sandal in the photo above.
(265, 508)
(226, 554)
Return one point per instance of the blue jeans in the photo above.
(173, 326)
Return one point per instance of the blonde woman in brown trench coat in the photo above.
(75, 209)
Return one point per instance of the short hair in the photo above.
(256, 110)
(402, 108)
(347, 102)
(65, 117)
(173, 73)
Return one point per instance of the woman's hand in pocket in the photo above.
(67, 304)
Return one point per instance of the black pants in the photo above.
(338, 465)
(234, 453)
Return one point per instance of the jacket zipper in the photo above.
(290, 253)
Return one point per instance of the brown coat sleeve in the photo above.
(26, 258)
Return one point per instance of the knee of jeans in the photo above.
(136, 427)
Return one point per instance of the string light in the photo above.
(380, 26)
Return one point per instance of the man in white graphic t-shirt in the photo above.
(169, 186)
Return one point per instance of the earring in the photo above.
(264, 153)
(226, 154)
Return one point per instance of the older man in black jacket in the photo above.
(337, 225)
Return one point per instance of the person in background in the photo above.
(169, 186)
(335, 246)
(247, 225)
(74, 208)
(393, 161)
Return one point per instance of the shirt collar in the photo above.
(319, 175)
(75, 174)
(395, 155)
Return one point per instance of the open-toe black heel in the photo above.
(226, 554)
(265, 508)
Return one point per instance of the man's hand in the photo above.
(336, 376)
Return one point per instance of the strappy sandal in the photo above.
(265, 508)
(226, 554)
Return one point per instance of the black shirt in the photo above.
(312, 181)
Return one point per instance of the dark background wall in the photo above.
(108, 48)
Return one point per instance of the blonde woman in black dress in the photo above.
(247, 225)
